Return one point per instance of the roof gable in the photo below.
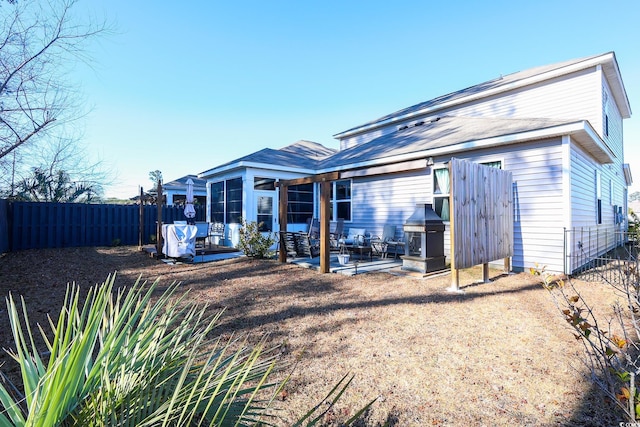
(503, 84)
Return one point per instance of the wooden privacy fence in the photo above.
(481, 215)
(31, 225)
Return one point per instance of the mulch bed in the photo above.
(498, 354)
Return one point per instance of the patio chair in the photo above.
(335, 234)
(216, 233)
(380, 245)
(202, 233)
(305, 246)
(313, 228)
(288, 243)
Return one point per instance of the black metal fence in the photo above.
(29, 225)
(602, 256)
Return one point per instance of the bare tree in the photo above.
(39, 44)
(62, 164)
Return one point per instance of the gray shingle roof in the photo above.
(443, 132)
(182, 182)
(302, 154)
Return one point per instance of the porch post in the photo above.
(283, 202)
(325, 196)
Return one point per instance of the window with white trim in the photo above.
(441, 193)
(341, 200)
(226, 201)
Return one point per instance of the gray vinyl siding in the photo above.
(387, 199)
(538, 200)
(575, 96)
(571, 97)
(588, 236)
(614, 138)
(542, 209)
(583, 189)
(538, 204)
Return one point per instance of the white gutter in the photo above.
(571, 128)
(483, 94)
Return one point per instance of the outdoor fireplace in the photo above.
(424, 241)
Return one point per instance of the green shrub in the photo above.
(255, 243)
(129, 360)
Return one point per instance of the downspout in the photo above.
(567, 220)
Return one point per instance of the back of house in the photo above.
(557, 128)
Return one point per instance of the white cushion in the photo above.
(355, 236)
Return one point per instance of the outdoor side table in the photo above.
(361, 250)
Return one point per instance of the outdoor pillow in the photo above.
(355, 236)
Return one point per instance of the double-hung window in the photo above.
(341, 200)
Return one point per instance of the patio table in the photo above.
(362, 250)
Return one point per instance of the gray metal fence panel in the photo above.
(35, 225)
(4, 226)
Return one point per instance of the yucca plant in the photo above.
(126, 360)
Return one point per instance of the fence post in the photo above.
(141, 221)
(159, 222)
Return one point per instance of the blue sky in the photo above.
(183, 87)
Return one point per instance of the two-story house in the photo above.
(557, 128)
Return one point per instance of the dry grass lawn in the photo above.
(499, 354)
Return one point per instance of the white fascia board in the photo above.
(618, 89)
(571, 128)
(484, 94)
(253, 165)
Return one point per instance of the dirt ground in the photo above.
(498, 354)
